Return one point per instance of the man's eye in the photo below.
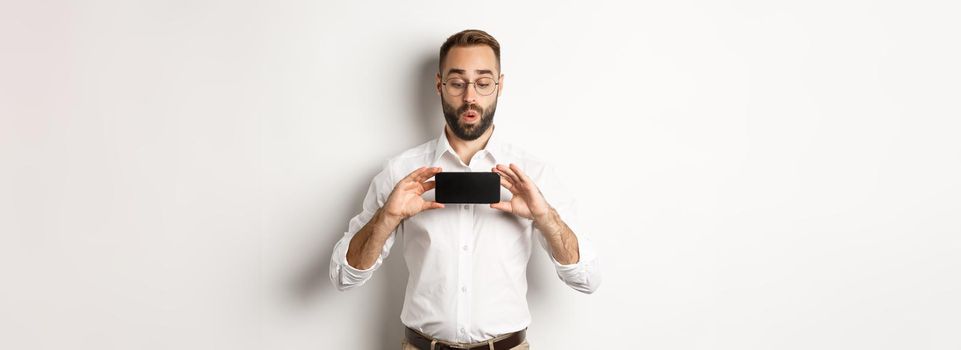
(484, 86)
(457, 84)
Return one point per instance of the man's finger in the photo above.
(429, 185)
(426, 174)
(502, 206)
(507, 182)
(413, 174)
(431, 205)
(499, 171)
(520, 174)
(503, 175)
(509, 172)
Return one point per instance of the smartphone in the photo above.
(467, 187)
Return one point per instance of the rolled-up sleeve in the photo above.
(342, 275)
(584, 275)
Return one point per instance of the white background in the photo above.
(757, 175)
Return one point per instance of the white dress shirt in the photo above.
(467, 262)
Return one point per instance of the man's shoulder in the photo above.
(533, 165)
(410, 159)
(518, 154)
(400, 164)
(510, 147)
(414, 154)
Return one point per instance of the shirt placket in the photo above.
(465, 274)
(465, 264)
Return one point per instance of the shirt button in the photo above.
(463, 331)
(466, 207)
(464, 248)
(463, 289)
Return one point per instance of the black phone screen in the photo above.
(467, 187)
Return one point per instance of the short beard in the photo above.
(468, 132)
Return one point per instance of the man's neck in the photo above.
(466, 149)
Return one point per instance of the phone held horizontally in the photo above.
(467, 187)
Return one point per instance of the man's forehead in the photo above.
(466, 60)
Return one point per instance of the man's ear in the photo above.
(437, 83)
(500, 85)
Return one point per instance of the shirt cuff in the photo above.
(570, 272)
(350, 275)
(578, 272)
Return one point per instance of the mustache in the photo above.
(465, 108)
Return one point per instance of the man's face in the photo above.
(470, 114)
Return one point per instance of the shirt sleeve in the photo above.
(342, 275)
(584, 275)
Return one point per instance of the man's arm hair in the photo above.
(366, 245)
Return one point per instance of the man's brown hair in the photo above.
(469, 37)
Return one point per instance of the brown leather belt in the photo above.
(423, 343)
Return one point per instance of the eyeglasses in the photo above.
(457, 86)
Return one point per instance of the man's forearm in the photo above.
(366, 245)
(559, 236)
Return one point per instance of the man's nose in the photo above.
(470, 94)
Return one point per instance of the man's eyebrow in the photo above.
(461, 71)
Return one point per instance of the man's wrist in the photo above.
(386, 222)
(549, 223)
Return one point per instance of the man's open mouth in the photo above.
(470, 115)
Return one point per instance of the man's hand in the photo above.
(527, 201)
(405, 200)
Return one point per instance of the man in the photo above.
(468, 263)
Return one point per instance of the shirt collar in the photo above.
(493, 146)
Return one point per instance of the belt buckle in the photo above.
(451, 347)
(442, 346)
